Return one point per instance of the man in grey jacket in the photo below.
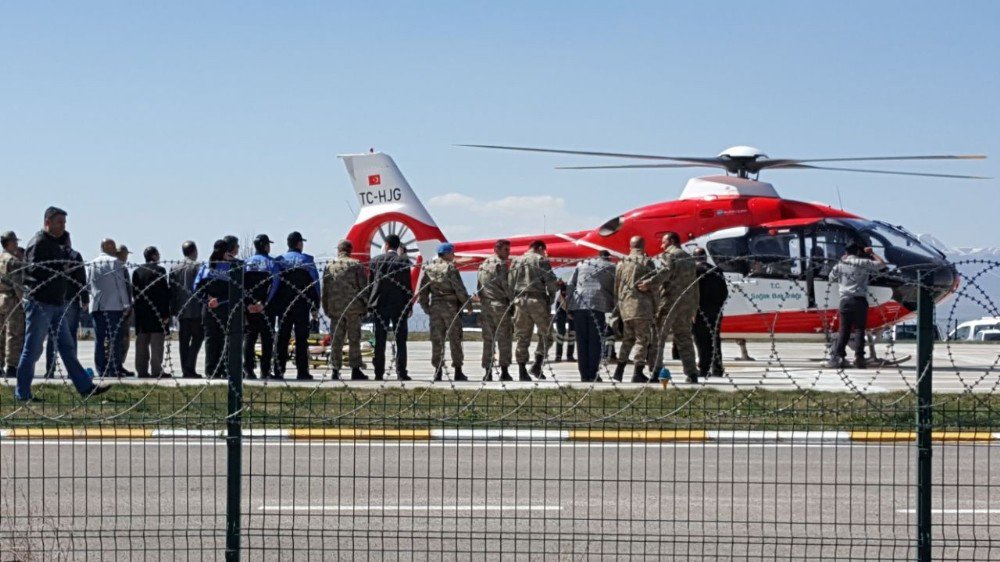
(853, 273)
(186, 306)
(109, 298)
(590, 295)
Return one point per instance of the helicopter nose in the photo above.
(940, 277)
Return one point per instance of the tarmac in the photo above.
(777, 365)
(319, 500)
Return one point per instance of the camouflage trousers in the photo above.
(637, 332)
(531, 313)
(446, 325)
(11, 330)
(675, 323)
(498, 332)
(346, 325)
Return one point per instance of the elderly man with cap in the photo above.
(535, 287)
(299, 296)
(260, 281)
(108, 283)
(186, 306)
(345, 301)
(442, 295)
(123, 254)
(45, 306)
(11, 311)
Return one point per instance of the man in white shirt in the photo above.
(109, 298)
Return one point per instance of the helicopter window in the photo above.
(610, 227)
(825, 248)
(898, 247)
(729, 254)
(774, 255)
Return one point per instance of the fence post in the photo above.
(925, 349)
(234, 421)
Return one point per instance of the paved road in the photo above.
(779, 365)
(375, 500)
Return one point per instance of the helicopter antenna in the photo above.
(350, 208)
(839, 198)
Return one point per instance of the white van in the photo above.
(971, 330)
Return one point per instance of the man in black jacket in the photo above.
(712, 295)
(152, 314)
(46, 284)
(391, 304)
(78, 300)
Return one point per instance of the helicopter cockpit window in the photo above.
(898, 247)
(825, 248)
(610, 227)
(729, 254)
(774, 255)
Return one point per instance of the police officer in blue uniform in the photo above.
(260, 280)
(298, 298)
(211, 286)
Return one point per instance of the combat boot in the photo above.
(357, 374)
(334, 375)
(522, 372)
(570, 349)
(488, 377)
(536, 368)
(637, 375)
(459, 375)
(619, 372)
(504, 374)
(559, 352)
(438, 372)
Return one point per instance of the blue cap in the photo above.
(446, 248)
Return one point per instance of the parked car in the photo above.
(971, 330)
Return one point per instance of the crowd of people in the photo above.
(641, 301)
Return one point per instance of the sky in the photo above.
(154, 123)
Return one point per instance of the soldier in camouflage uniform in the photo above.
(635, 307)
(495, 297)
(676, 284)
(442, 294)
(535, 286)
(11, 310)
(345, 298)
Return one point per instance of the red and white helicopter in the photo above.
(775, 252)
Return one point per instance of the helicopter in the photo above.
(775, 253)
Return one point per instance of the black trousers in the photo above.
(295, 319)
(214, 322)
(190, 336)
(708, 341)
(589, 326)
(260, 326)
(853, 321)
(383, 323)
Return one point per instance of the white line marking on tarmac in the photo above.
(961, 511)
(410, 508)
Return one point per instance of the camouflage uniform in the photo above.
(635, 307)
(534, 286)
(345, 303)
(11, 310)
(442, 295)
(495, 296)
(676, 285)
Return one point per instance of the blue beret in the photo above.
(446, 248)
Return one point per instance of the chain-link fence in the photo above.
(273, 442)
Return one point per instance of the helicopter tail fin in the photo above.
(388, 207)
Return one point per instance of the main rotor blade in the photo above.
(887, 172)
(632, 166)
(881, 158)
(714, 162)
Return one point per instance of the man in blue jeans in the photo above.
(46, 283)
(78, 299)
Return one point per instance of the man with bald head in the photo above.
(635, 307)
(109, 298)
